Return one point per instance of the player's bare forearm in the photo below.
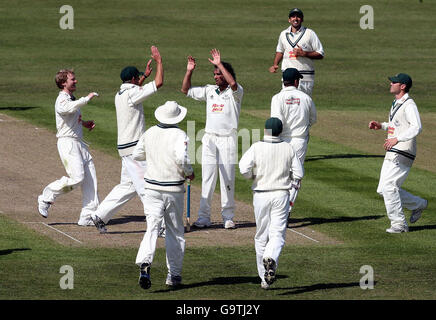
(277, 59)
(186, 84)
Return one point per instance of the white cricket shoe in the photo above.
(229, 224)
(416, 214)
(202, 223)
(85, 222)
(397, 229)
(43, 206)
(264, 285)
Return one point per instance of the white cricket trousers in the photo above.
(218, 157)
(271, 215)
(131, 184)
(304, 85)
(169, 206)
(80, 169)
(392, 176)
(300, 148)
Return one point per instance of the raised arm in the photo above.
(186, 84)
(159, 77)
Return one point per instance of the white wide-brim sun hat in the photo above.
(170, 113)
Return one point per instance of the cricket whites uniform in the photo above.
(270, 163)
(297, 112)
(404, 124)
(75, 157)
(130, 125)
(219, 146)
(308, 41)
(165, 148)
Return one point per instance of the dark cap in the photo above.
(275, 125)
(291, 74)
(296, 11)
(403, 79)
(130, 72)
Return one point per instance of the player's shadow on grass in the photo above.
(9, 251)
(220, 281)
(304, 222)
(318, 286)
(342, 156)
(126, 219)
(216, 225)
(17, 108)
(420, 228)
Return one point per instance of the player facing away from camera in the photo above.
(165, 148)
(272, 164)
(73, 151)
(403, 126)
(219, 143)
(130, 125)
(297, 112)
(298, 47)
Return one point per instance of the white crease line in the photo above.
(57, 231)
(304, 235)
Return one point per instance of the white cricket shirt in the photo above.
(308, 41)
(68, 115)
(222, 107)
(130, 114)
(297, 111)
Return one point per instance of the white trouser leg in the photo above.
(158, 205)
(226, 167)
(392, 176)
(90, 199)
(300, 148)
(154, 211)
(131, 184)
(81, 171)
(271, 213)
(306, 86)
(175, 229)
(209, 173)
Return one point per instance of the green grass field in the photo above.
(338, 197)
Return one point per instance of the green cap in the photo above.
(297, 12)
(130, 72)
(291, 74)
(275, 125)
(403, 79)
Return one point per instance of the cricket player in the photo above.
(73, 151)
(298, 113)
(297, 47)
(219, 143)
(131, 125)
(272, 164)
(403, 126)
(165, 148)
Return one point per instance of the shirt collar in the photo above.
(289, 88)
(272, 139)
(302, 28)
(218, 91)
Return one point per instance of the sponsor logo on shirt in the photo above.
(391, 131)
(217, 107)
(293, 101)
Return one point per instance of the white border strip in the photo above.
(303, 235)
(67, 235)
